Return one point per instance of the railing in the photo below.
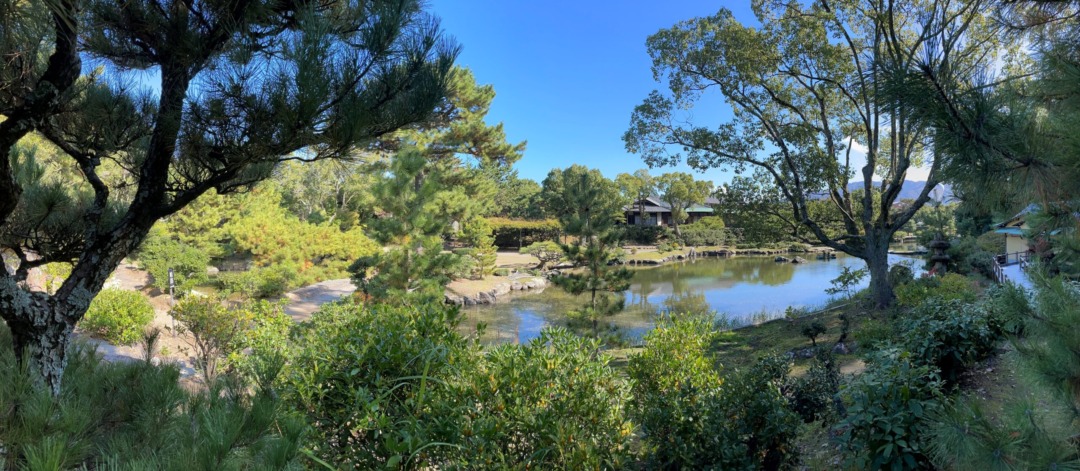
(1006, 259)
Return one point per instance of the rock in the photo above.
(516, 286)
(841, 348)
(454, 299)
(798, 260)
(212, 271)
(467, 301)
(500, 289)
(780, 259)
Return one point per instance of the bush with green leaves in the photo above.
(888, 407)
(946, 287)
(118, 316)
(373, 382)
(708, 230)
(812, 331)
(645, 235)
(550, 404)
(692, 418)
(813, 396)
(137, 416)
(158, 253)
(215, 331)
(969, 256)
(949, 335)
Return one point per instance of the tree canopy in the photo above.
(244, 85)
(805, 89)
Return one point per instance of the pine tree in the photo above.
(588, 206)
(244, 85)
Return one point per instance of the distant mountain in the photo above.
(910, 190)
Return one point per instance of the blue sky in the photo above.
(568, 73)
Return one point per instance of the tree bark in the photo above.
(877, 262)
(44, 349)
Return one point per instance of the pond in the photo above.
(740, 288)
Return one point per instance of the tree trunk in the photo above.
(877, 262)
(42, 345)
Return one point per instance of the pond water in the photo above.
(740, 288)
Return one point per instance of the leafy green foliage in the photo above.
(216, 331)
(588, 206)
(847, 281)
(481, 251)
(399, 385)
(680, 191)
(812, 331)
(138, 416)
(690, 417)
(522, 233)
(372, 381)
(550, 404)
(814, 395)
(118, 316)
(949, 335)
(948, 287)
(646, 235)
(708, 230)
(888, 407)
(159, 253)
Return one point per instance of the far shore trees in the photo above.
(244, 85)
(636, 187)
(681, 192)
(807, 93)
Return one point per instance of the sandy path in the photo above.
(303, 302)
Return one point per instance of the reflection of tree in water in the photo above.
(708, 274)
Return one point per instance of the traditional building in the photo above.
(658, 213)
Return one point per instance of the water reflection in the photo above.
(736, 287)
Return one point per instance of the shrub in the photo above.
(887, 410)
(372, 382)
(159, 253)
(813, 395)
(521, 233)
(900, 274)
(216, 331)
(645, 235)
(947, 287)
(547, 252)
(691, 418)
(698, 236)
(812, 331)
(550, 404)
(118, 316)
(969, 256)
(137, 416)
(264, 282)
(949, 335)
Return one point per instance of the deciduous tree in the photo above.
(805, 89)
(680, 191)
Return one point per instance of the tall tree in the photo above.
(588, 207)
(636, 187)
(244, 85)
(805, 89)
(681, 192)
(412, 193)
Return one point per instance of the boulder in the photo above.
(841, 348)
(798, 260)
(780, 259)
(212, 271)
(516, 286)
